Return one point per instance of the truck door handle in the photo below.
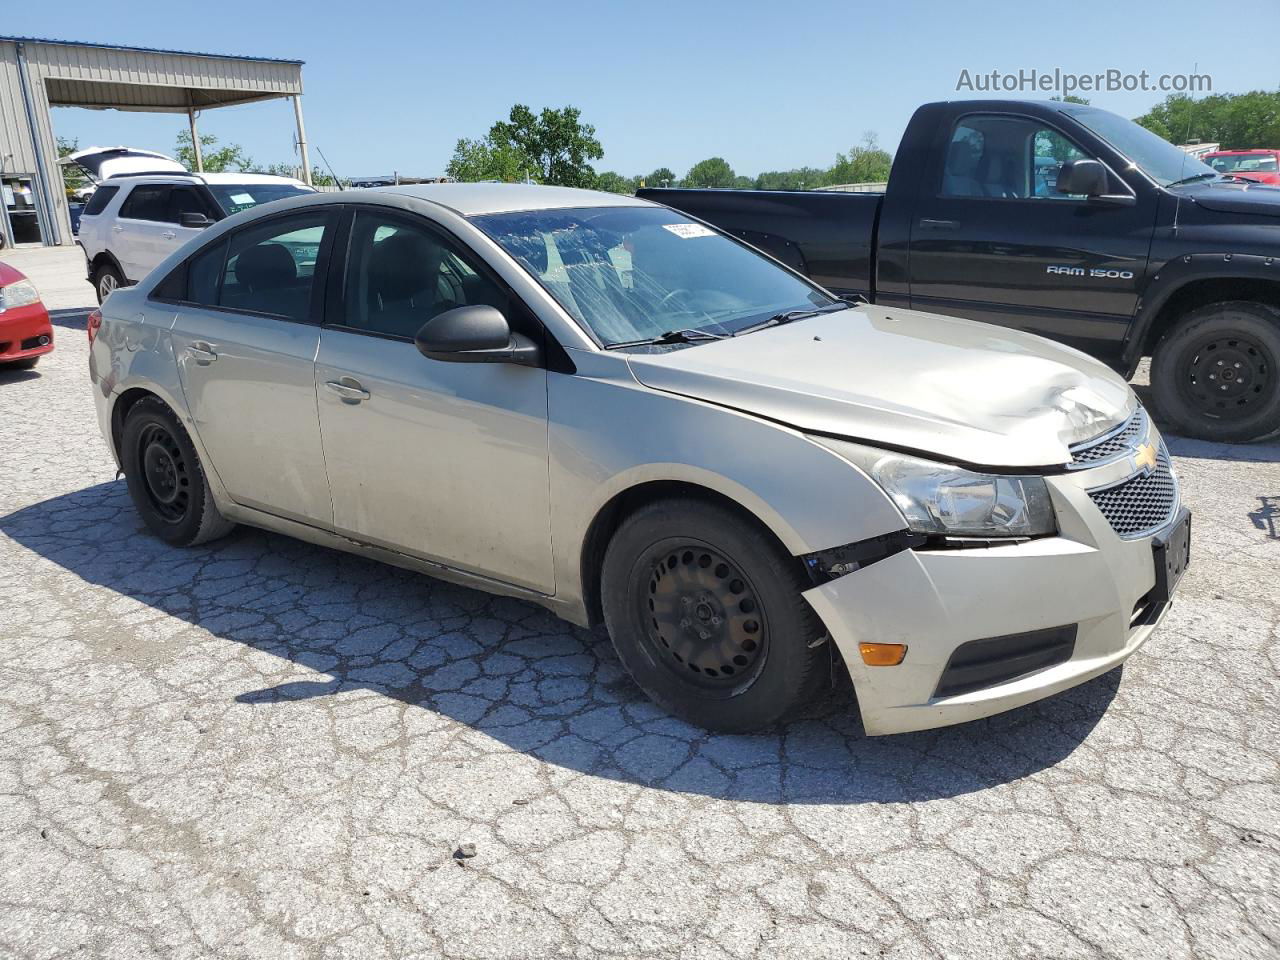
(349, 389)
(117, 229)
(927, 224)
(168, 234)
(202, 353)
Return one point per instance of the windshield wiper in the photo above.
(778, 319)
(1198, 176)
(671, 336)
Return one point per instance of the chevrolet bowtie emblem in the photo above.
(1144, 458)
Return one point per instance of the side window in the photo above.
(195, 280)
(270, 267)
(184, 200)
(1049, 151)
(98, 202)
(146, 203)
(401, 274)
(1001, 157)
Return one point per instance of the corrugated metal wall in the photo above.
(128, 79)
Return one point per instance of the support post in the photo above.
(195, 135)
(302, 141)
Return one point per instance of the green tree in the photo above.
(231, 157)
(1237, 121)
(802, 178)
(662, 177)
(484, 159)
(712, 172)
(864, 164)
(556, 142)
(73, 178)
(319, 178)
(616, 182)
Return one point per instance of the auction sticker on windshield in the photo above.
(688, 230)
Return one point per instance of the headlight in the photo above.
(938, 498)
(18, 294)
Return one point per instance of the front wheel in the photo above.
(165, 478)
(704, 609)
(1215, 375)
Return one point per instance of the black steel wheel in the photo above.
(1215, 375)
(706, 623)
(704, 607)
(165, 478)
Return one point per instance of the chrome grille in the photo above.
(1111, 446)
(1141, 504)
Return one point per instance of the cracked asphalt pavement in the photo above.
(261, 748)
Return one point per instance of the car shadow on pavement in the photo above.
(10, 374)
(504, 667)
(75, 318)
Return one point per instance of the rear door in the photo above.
(245, 337)
(142, 230)
(992, 238)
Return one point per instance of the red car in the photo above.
(25, 331)
(1262, 166)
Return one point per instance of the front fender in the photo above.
(807, 495)
(1179, 272)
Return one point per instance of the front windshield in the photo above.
(635, 273)
(1155, 156)
(1244, 163)
(234, 197)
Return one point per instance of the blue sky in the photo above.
(392, 86)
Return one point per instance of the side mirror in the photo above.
(195, 221)
(475, 334)
(1087, 177)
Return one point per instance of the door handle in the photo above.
(117, 229)
(348, 389)
(202, 353)
(928, 224)
(168, 234)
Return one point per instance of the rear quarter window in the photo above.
(98, 202)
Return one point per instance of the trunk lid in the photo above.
(103, 162)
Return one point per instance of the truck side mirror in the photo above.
(1087, 177)
(195, 221)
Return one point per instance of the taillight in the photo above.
(93, 323)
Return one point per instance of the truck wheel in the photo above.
(166, 481)
(1216, 375)
(106, 280)
(705, 612)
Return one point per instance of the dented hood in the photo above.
(954, 389)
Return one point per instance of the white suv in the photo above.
(147, 205)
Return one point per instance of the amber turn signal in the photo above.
(882, 654)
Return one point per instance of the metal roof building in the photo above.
(37, 74)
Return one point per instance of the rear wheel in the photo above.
(1216, 375)
(106, 280)
(705, 611)
(166, 481)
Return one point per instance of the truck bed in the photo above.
(828, 235)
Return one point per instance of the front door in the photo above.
(245, 341)
(994, 240)
(445, 461)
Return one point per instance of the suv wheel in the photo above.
(705, 612)
(165, 478)
(106, 280)
(1216, 375)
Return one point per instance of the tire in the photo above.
(704, 609)
(1216, 375)
(165, 478)
(27, 363)
(106, 279)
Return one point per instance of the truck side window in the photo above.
(1007, 158)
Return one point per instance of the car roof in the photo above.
(471, 199)
(216, 178)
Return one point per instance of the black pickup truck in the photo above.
(1064, 220)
